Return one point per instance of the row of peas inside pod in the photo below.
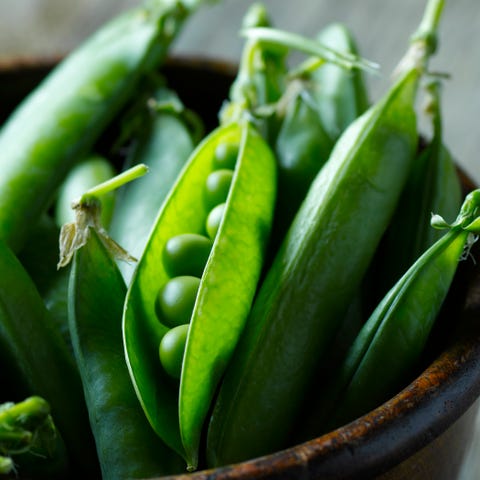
(185, 257)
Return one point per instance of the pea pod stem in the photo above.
(112, 184)
(423, 41)
(429, 24)
(468, 218)
(310, 47)
(260, 79)
(74, 236)
(306, 67)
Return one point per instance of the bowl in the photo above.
(422, 432)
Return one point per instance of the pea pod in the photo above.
(59, 122)
(139, 202)
(127, 446)
(392, 340)
(319, 267)
(36, 357)
(340, 94)
(302, 147)
(225, 291)
(295, 129)
(433, 186)
(39, 257)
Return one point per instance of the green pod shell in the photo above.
(91, 171)
(433, 185)
(127, 447)
(39, 258)
(390, 344)
(37, 359)
(164, 146)
(318, 269)
(58, 123)
(302, 147)
(340, 94)
(234, 265)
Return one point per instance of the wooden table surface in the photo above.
(382, 29)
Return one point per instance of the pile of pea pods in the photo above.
(191, 300)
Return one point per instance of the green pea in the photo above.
(217, 187)
(225, 156)
(214, 219)
(186, 254)
(171, 350)
(175, 301)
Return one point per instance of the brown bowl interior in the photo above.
(416, 420)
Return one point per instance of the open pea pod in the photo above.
(225, 289)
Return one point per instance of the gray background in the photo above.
(382, 28)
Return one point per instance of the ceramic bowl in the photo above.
(422, 432)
